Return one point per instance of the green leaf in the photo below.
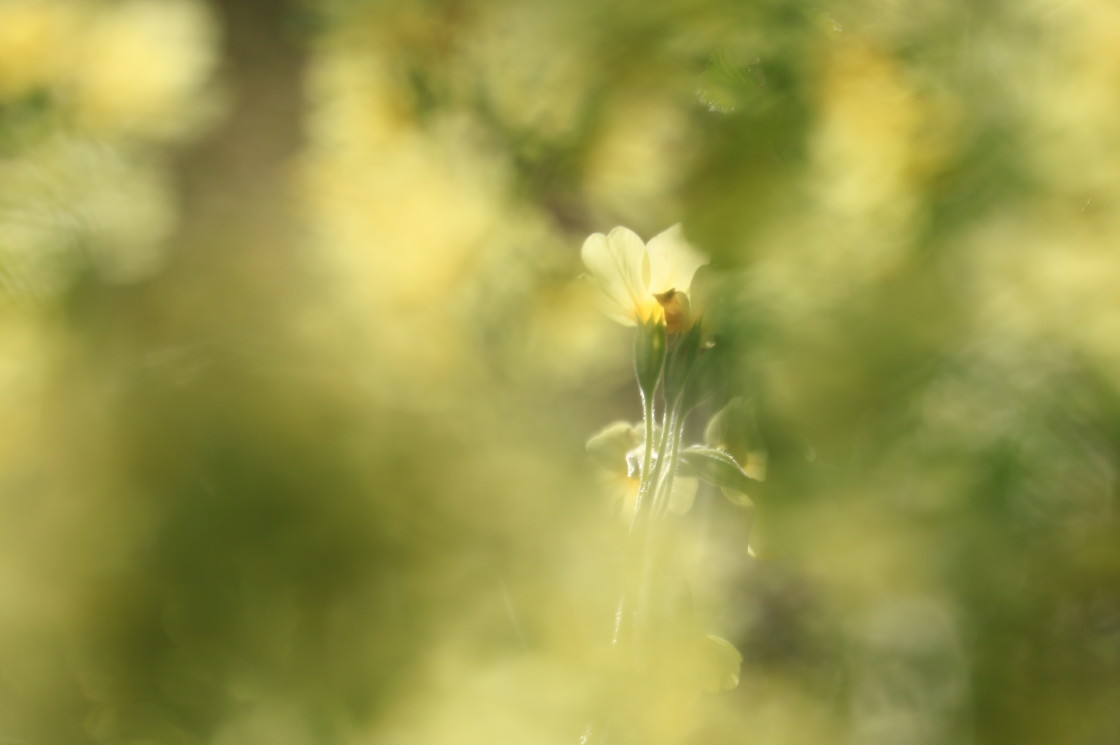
(737, 497)
(734, 430)
(731, 83)
(721, 664)
(719, 468)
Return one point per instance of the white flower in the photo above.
(641, 282)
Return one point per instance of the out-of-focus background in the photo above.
(296, 370)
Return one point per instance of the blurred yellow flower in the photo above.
(35, 38)
(617, 451)
(141, 65)
(643, 282)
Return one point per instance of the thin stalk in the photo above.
(642, 510)
(662, 494)
(666, 472)
(648, 414)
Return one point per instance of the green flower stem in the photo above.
(643, 508)
(650, 556)
(667, 426)
(642, 599)
(668, 470)
(629, 613)
(644, 485)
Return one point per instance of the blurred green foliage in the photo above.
(295, 370)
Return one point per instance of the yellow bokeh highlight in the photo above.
(139, 66)
(36, 42)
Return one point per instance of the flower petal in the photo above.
(622, 493)
(609, 446)
(620, 267)
(673, 262)
(683, 494)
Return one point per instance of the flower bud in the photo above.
(676, 308)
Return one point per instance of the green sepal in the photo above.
(681, 364)
(649, 355)
(719, 468)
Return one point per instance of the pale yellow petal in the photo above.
(673, 262)
(608, 447)
(621, 491)
(619, 265)
(683, 494)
